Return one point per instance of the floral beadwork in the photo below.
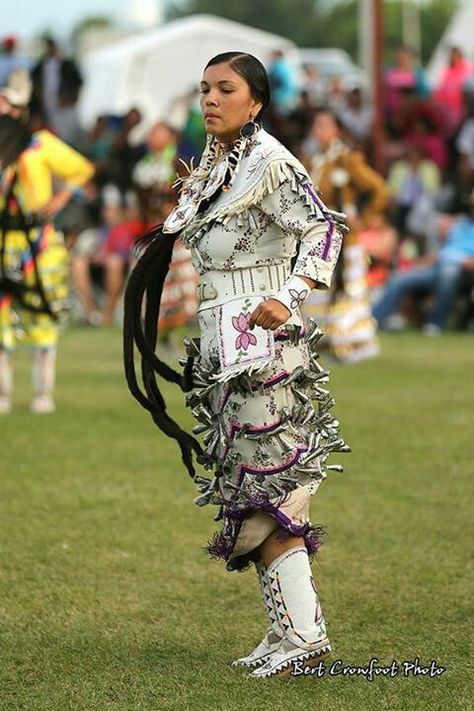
(245, 338)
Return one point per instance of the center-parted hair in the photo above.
(252, 70)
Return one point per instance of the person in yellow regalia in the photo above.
(34, 265)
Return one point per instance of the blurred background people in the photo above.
(404, 74)
(57, 82)
(448, 93)
(438, 276)
(284, 87)
(10, 59)
(154, 177)
(410, 179)
(427, 158)
(34, 261)
(344, 177)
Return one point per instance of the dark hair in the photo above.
(14, 138)
(332, 114)
(250, 69)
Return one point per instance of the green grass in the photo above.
(108, 602)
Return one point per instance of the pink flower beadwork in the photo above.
(244, 339)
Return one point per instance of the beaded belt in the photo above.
(216, 287)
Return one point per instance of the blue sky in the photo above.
(26, 18)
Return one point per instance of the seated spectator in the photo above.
(426, 134)
(125, 227)
(153, 178)
(410, 179)
(439, 275)
(106, 247)
(411, 111)
(336, 95)
(299, 122)
(357, 116)
(314, 86)
(379, 240)
(97, 146)
(125, 152)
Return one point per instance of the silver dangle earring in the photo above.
(249, 129)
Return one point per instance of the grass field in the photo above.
(107, 601)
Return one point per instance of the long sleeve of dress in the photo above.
(296, 208)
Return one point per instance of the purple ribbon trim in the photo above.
(329, 220)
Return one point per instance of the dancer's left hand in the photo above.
(269, 314)
(272, 314)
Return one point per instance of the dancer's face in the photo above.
(226, 102)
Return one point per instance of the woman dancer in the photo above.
(245, 212)
(33, 259)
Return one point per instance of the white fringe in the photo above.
(235, 371)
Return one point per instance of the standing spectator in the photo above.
(9, 60)
(284, 88)
(405, 74)
(448, 93)
(56, 86)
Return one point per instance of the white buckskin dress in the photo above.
(260, 396)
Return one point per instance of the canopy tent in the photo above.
(458, 33)
(150, 70)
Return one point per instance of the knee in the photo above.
(276, 544)
(449, 273)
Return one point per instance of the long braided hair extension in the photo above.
(14, 139)
(142, 296)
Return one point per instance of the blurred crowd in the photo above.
(412, 224)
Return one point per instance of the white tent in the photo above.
(458, 33)
(152, 69)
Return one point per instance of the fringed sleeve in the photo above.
(293, 204)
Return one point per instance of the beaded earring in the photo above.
(249, 129)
